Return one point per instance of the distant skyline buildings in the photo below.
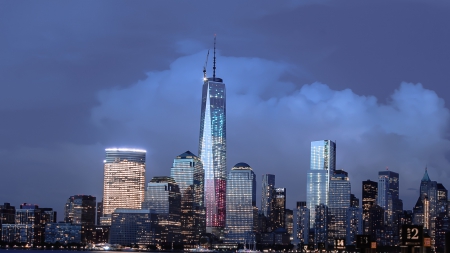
(338, 204)
(124, 180)
(213, 150)
(322, 166)
(369, 199)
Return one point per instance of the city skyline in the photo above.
(77, 84)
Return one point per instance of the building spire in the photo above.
(425, 175)
(214, 59)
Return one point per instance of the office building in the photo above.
(63, 233)
(301, 224)
(354, 201)
(289, 222)
(213, 150)
(187, 171)
(135, 227)
(29, 227)
(338, 204)
(7, 215)
(353, 225)
(80, 210)
(369, 199)
(124, 180)
(442, 199)
(278, 212)
(321, 225)
(267, 186)
(388, 199)
(322, 166)
(242, 213)
(163, 198)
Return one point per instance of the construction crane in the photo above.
(204, 67)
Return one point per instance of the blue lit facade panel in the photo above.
(212, 150)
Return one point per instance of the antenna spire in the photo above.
(214, 59)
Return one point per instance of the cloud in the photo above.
(270, 123)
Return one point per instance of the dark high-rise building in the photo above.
(376, 222)
(278, 212)
(442, 199)
(338, 203)
(99, 212)
(354, 201)
(301, 224)
(442, 227)
(388, 198)
(353, 224)
(321, 225)
(289, 222)
(135, 226)
(322, 166)
(7, 215)
(241, 205)
(267, 186)
(369, 199)
(80, 210)
(213, 150)
(124, 180)
(163, 198)
(187, 171)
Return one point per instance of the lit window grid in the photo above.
(241, 200)
(124, 186)
(212, 151)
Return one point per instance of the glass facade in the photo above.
(163, 198)
(322, 166)
(63, 233)
(212, 151)
(124, 179)
(241, 210)
(80, 210)
(267, 186)
(388, 195)
(187, 171)
(134, 226)
(338, 203)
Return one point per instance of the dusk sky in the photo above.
(80, 76)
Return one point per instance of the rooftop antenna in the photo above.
(204, 67)
(214, 62)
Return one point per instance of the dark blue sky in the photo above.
(78, 77)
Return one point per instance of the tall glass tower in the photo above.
(124, 180)
(322, 166)
(187, 170)
(212, 150)
(242, 212)
(267, 186)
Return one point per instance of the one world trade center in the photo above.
(212, 150)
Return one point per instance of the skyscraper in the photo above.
(338, 203)
(163, 198)
(301, 223)
(369, 199)
(212, 150)
(277, 215)
(124, 180)
(242, 212)
(388, 193)
(187, 171)
(267, 186)
(322, 166)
